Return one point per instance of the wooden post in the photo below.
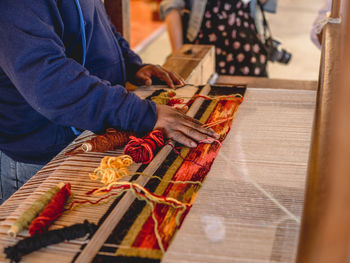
(325, 230)
(119, 12)
(335, 13)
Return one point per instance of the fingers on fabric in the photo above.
(182, 109)
(197, 127)
(198, 124)
(181, 128)
(181, 138)
(194, 133)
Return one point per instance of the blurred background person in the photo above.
(229, 25)
(316, 31)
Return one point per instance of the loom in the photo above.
(261, 119)
(250, 206)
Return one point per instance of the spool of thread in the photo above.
(142, 149)
(27, 217)
(109, 141)
(51, 212)
(30, 244)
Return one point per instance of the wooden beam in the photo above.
(265, 83)
(325, 230)
(119, 12)
(335, 13)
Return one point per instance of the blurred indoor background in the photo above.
(291, 25)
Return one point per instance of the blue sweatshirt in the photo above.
(44, 89)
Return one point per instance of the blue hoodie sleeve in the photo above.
(33, 56)
(133, 61)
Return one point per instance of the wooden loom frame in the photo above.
(325, 230)
(325, 189)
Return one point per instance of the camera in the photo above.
(275, 52)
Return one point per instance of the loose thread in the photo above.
(137, 190)
(112, 169)
(214, 123)
(143, 194)
(161, 96)
(30, 244)
(27, 217)
(77, 203)
(175, 101)
(51, 212)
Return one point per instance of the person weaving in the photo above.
(63, 65)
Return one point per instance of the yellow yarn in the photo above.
(112, 169)
(150, 199)
(163, 97)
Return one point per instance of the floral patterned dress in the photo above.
(229, 26)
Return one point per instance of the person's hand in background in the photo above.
(144, 76)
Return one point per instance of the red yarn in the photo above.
(51, 212)
(142, 150)
(173, 102)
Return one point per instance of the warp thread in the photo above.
(27, 217)
(109, 141)
(112, 169)
(142, 150)
(51, 212)
(30, 244)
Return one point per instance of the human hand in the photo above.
(144, 76)
(181, 128)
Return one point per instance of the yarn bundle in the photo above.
(142, 150)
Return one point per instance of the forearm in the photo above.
(174, 25)
(33, 56)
